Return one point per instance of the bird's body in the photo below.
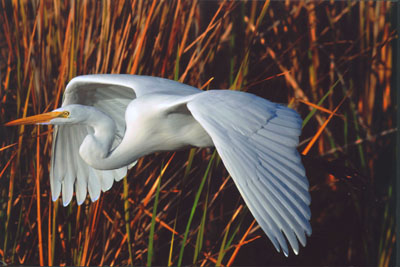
(151, 127)
(108, 121)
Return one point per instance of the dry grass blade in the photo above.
(39, 214)
(6, 147)
(320, 108)
(222, 250)
(240, 244)
(154, 186)
(138, 50)
(321, 129)
(210, 26)
(207, 83)
(162, 223)
(8, 163)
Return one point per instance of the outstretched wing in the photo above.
(257, 142)
(110, 93)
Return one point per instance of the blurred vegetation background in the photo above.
(183, 208)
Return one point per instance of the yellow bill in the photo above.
(41, 118)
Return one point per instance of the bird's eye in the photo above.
(65, 114)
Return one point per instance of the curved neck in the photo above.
(96, 147)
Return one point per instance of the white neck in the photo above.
(96, 148)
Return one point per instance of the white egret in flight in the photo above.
(108, 121)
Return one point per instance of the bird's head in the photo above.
(70, 114)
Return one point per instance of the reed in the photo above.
(332, 61)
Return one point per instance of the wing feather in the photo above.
(56, 176)
(290, 204)
(69, 179)
(277, 214)
(275, 128)
(82, 170)
(94, 185)
(257, 142)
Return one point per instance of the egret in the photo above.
(108, 121)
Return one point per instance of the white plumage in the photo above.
(108, 121)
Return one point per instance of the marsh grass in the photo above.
(332, 61)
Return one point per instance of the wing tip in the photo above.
(54, 198)
(309, 230)
(132, 165)
(80, 201)
(66, 202)
(95, 198)
(285, 252)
